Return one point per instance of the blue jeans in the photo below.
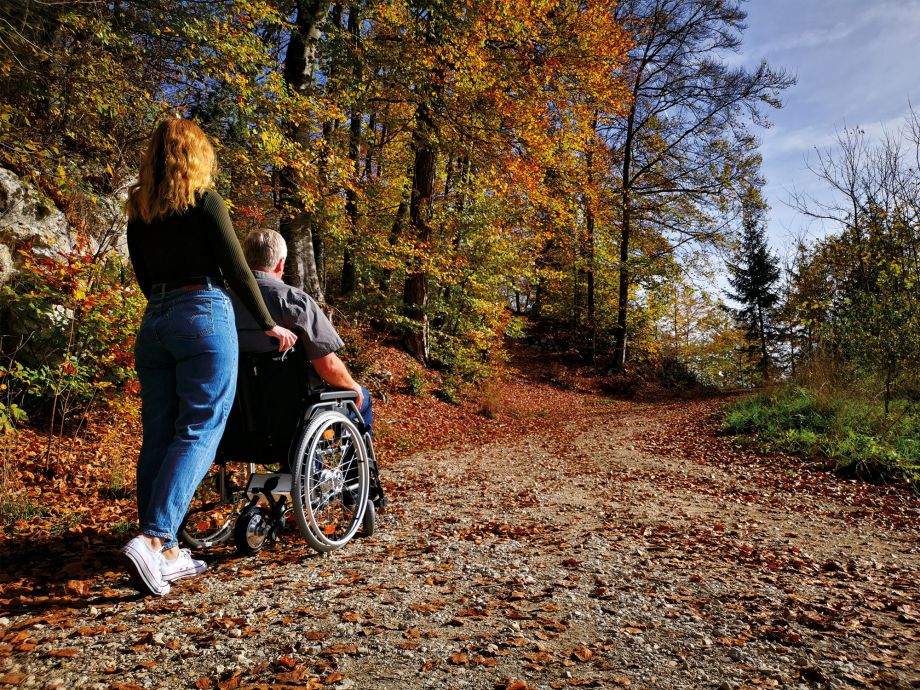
(366, 410)
(186, 357)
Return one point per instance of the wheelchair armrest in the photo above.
(338, 395)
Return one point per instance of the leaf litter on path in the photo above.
(570, 542)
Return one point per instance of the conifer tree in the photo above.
(753, 277)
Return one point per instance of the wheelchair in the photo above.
(317, 453)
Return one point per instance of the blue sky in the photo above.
(857, 63)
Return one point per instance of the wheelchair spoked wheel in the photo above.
(215, 506)
(331, 481)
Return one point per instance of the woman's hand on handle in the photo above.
(285, 337)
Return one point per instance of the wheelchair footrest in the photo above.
(278, 485)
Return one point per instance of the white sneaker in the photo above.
(182, 566)
(144, 566)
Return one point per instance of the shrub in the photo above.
(490, 399)
(415, 382)
(69, 333)
(850, 430)
(450, 390)
(674, 373)
(775, 412)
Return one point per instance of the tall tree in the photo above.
(753, 276)
(298, 225)
(856, 289)
(683, 142)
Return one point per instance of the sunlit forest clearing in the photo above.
(523, 218)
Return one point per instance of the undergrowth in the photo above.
(853, 432)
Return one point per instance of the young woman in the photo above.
(183, 248)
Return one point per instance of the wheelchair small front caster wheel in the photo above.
(369, 521)
(251, 530)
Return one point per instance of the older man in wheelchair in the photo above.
(301, 418)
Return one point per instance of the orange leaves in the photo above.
(12, 678)
(480, 660)
(77, 588)
(64, 653)
(582, 654)
(430, 665)
(514, 685)
(335, 650)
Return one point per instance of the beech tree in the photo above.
(298, 225)
(857, 288)
(684, 143)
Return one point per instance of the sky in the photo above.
(857, 63)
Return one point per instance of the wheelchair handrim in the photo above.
(305, 486)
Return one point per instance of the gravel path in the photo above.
(599, 553)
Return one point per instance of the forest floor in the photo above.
(567, 540)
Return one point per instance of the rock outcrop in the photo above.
(27, 217)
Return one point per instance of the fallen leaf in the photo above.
(64, 653)
(77, 588)
(582, 653)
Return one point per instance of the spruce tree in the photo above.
(753, 276)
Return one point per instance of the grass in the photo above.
(124, 527)
(66, 523)
(118, 486)
(851, 430)
(491, 401)
(450, 390)
(14, 508)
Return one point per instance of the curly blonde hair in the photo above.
(178, 164)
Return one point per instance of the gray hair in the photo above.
(264, 249)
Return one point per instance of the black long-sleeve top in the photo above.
(197, 242)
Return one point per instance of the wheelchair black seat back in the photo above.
(274, 392)
(319, 455)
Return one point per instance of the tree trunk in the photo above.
(415, 294)
(349, 271)
(592, 316)
(297, 224)
(371, 145)
(764, 358)
(589, 231)
(395, 232)
(619, 346)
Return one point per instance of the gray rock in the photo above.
(26, 216)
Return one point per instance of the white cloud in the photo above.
(803, 139)
(809, 38)
(779, 143)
